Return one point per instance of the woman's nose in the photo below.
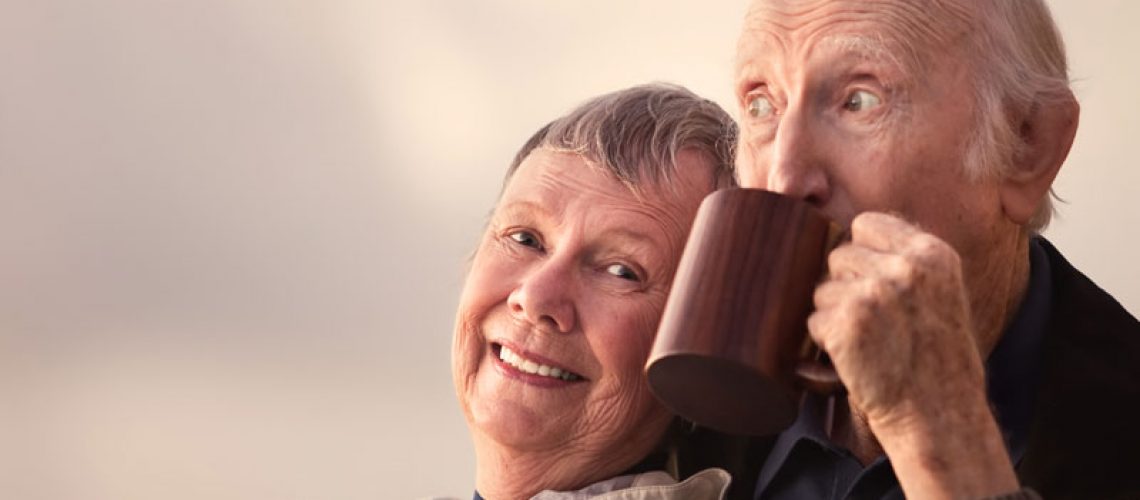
(797, 161)
(544, 297)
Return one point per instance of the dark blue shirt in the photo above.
(803, 463)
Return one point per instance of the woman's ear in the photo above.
(1047, 132)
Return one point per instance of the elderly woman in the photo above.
(565, 292)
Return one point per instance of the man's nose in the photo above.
(544, 296)
(797, 163)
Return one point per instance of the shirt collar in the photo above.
(1014, 367)
(808, 426)
(653, 462)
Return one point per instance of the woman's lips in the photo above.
(527, 366)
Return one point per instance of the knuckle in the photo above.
(817, 326)
(878, 291)
(841, 263)
(863, 308)
(903, 269)
(929, 251)
(823, 294)
(860, 220)
(926, 244)
(825, 330)
(835, 260)
(865, 222)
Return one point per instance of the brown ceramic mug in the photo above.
(732, 351)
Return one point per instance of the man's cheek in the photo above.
(751, 172)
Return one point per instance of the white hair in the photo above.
(1020, 65)
(635, 135)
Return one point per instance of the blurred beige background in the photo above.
(232, 232)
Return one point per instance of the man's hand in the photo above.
(894, 317)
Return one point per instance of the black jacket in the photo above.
(1084, 440)
(1085, 437)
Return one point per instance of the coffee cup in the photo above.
(732, 351)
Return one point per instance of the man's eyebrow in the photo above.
(875, 49)
(863, 46)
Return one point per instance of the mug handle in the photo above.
(817, 375)
(814, 370)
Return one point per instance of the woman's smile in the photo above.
(566, 287)
(532, 369)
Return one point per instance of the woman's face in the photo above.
(560, 307)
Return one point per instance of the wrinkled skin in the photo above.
(574, 268)
(864, 109)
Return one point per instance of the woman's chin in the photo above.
(517, 426)
(520, 414)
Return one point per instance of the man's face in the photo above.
(858, 106)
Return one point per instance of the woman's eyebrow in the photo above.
(641, 242)
(524, 208)
(629, 234)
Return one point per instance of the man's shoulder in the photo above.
(1084, 316)
(1092, 344)
(1084, 437)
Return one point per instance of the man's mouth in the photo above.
(513, 359)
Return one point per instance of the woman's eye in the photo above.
(526, 239)
(759, 106)
(861, 100)
(623, 272)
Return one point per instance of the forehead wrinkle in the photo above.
(910, 32)
(611, 203)
(922, 35)
(861, 46)
(867, 48)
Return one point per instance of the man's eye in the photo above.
(526, 239)
(759, 106)
(623, 272)
(861, 100)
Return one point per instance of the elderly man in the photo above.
(977, 362)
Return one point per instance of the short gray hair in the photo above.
(1020, 64)
(635, 135)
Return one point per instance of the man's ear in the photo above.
(1047, 132)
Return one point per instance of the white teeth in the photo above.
(525, 365)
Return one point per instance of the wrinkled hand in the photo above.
(894, 317)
